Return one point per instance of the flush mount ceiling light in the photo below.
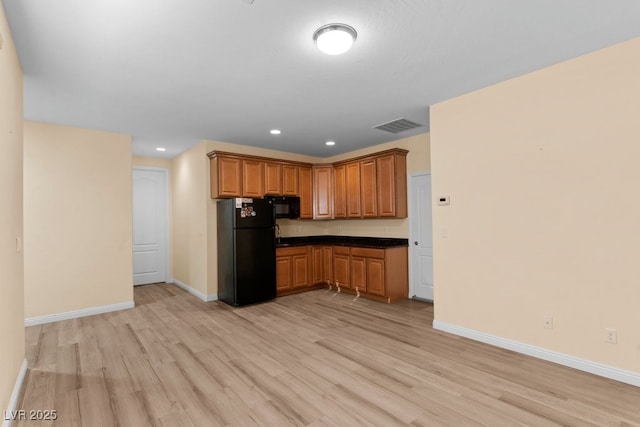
(335, 39)
(330, 143)
(275, 131)
(161, 149)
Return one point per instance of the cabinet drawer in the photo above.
(368, 252)
(341, 250)
(290, 251)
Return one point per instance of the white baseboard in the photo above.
(13, 402)
(195, 292)
(606, 371)
(31, 321)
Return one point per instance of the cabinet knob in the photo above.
(415, 243)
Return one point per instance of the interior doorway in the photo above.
(150, 225)
(420, 237)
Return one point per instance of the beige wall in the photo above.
(152, 162)
(11, 260)
(77, 219)
(189, 181)
(543, 175)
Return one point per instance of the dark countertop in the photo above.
(365, 242)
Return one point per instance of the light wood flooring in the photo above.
(311, 359)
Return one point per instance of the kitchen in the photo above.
(370, 186)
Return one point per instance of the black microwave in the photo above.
(285, 206)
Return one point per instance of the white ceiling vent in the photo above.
(398, 125)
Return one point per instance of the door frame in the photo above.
(412, 279)
(167, 236)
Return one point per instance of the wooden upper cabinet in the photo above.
(391, 173)
(354, 202)
(289, 180)
(368, 188)
(226, 177)
(322, 192)
(273, 179)
(305, 183)
(339, 191)
(252, 178)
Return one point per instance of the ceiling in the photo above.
(171, 73)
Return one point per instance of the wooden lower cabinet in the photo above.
(358, 268)
(380, 274)
(327, 265)
(316, 260)
(294, 269)
(375, 276)
(322, 265)
(341, 266)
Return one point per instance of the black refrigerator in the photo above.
(246, 251)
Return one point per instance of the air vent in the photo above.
(398, 125)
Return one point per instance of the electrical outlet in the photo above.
(548, 322)
(611, 336)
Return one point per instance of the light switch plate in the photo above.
(1, 41)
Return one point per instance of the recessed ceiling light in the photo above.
(335, 39)
(330, 143)
(275, 131)
(161, 149)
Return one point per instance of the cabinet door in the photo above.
(391, 177)
(339, 192)
(252, 178)
(273, 179)
(327, 265)
(322, 192)
(226, 177)
(375, 276)
(305, 181)
(354, 209)
(301, 273)
(341, 269)
(317, 262)
(283, 273)
(368, 188)
(358, 273)
(289, 180)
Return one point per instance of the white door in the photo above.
(421, 237)
(150, 225)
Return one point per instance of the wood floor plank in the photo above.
(312, 359)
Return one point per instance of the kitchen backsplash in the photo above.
(356, 227)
